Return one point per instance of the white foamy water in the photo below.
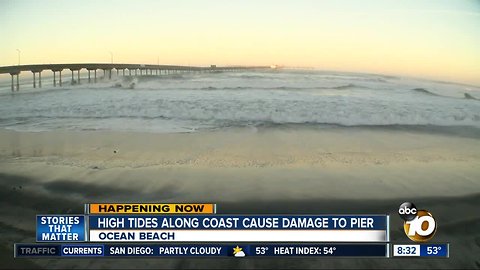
(190, 102)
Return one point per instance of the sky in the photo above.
(433, 39)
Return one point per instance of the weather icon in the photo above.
(237, 252)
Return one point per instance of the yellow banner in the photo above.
(151, 208)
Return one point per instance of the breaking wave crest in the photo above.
(339, 87)
(424, 91)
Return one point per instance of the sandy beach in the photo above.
(246, 170)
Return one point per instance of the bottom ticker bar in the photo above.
(199, 250)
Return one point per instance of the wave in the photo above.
(150, 124)
(425, 91)
(220, 101)
(232, 115)
(251, 76)
(339, 87)
(468, 96)
(347, 86)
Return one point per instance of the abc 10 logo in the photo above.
(419, 225)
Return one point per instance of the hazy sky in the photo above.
(422, 38)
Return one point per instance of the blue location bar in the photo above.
(201, 250)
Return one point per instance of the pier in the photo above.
(132, 69)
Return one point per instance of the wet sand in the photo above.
(265, 170)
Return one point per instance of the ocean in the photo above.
(204, 101)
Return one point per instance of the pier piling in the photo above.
(145, 70)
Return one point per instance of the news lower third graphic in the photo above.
(197, 230)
